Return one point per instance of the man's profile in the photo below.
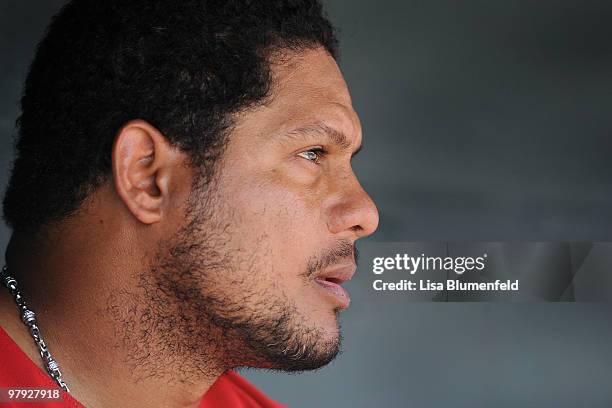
(182, 201)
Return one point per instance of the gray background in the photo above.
(483, 120)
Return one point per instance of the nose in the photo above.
(355, 211)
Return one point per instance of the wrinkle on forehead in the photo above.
(313, 71)
(308, 87)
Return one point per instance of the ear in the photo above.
(145, 166)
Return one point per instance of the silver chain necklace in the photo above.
(29, 319)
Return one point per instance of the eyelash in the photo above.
(320, 152)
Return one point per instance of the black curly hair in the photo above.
(185, 66)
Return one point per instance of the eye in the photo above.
(313, 155)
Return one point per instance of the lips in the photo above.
(330, 280)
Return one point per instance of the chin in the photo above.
(329, 323)
(315, 342)
(307, 359)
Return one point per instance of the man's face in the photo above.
(265, 244)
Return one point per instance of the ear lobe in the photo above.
(143, 162)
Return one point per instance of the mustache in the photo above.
(339, 253)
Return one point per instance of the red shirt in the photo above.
(17, 370)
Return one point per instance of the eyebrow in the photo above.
(335, 136)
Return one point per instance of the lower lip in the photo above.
(338, 292)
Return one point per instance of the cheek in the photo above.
(279, 227)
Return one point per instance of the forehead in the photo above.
(307, 87)
(312, 76)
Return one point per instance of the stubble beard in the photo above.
(195, 310)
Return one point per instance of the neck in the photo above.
(92, 317)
